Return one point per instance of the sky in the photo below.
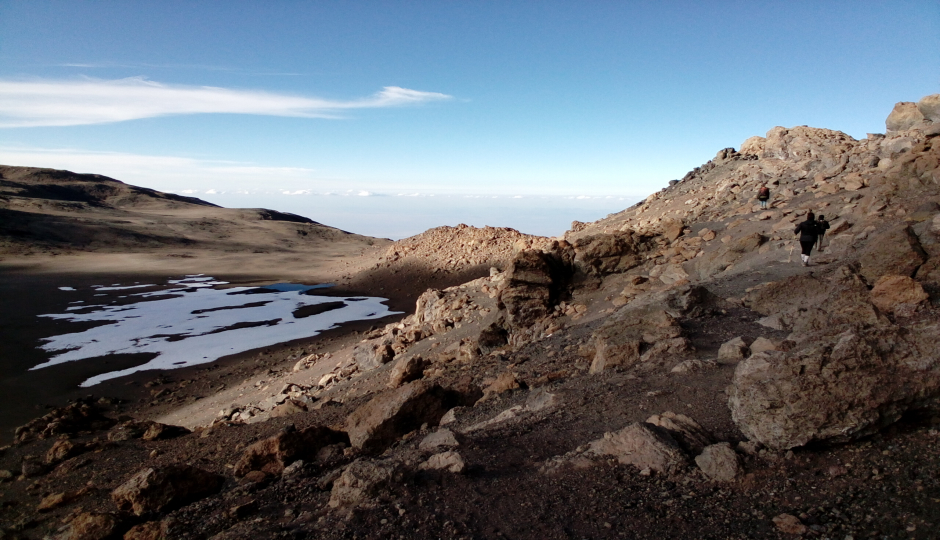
(387, 118)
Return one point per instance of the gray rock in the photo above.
(836, 388)
(372, 354)
(719, 462)
(905, 115)
(363, 480)
(407, 369)
(929, 107)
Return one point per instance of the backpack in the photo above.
(764, 193)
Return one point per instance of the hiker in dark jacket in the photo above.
(809, 232)
(821, 226)
(763, 195)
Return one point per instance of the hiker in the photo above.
(821, 227)
(809, 232)
(763, 195)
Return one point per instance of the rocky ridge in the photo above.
(670, 370)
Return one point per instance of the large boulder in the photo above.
(159, 488)
(905, 115)
(608, 253)
(836, 388)
(395, 412)
(271, 455)
(642, 445)
(896, 251)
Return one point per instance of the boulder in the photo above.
(642, 445)
(836, 388)
(159, 488)
(895, 251)
(407, 369)
(64, 449)
(929, 107)
(504, 382)
(719, 462)
(271, 455)
(733, 350)
(608, 253)
(672, 228)
(762, 344)
(393, 413)
(361, 481)
(80, 415)
(905, 115)
(448, 461)
(91, 526)
(372, 354)
(890, 292)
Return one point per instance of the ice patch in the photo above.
(190, 323)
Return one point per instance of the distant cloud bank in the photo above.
(32, 103)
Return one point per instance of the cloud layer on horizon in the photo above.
(34, 103)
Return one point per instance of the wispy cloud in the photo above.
(92, 101)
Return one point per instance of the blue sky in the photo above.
(337, 102)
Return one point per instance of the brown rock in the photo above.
(393, 413)
(159, 488)
(891, 291)
(91, 526)
(642, 445)
(151, 530)
(274, 453)
(789, 524)
(608, 253)
(896, 251)
(762, 344)
(407, 369)
(836, 388)
(362, 480)
(905, 115)
(929, 107)
(672, 228)
(289, 407)
(733, 350)
(159, 432)
(504, 382)
(64, 449)
(449, 461)
(719, 462)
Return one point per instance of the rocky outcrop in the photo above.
(603, 254)
(273, 454)
(91, 526)
(81, 415)
(160, 488)
(892, 293)
(534, 283)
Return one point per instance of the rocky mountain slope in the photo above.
(669, 371)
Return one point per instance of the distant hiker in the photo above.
(809, 232)
(763, 195)
(821, 226)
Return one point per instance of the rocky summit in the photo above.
(669, 371)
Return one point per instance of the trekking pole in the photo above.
(790, 255)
